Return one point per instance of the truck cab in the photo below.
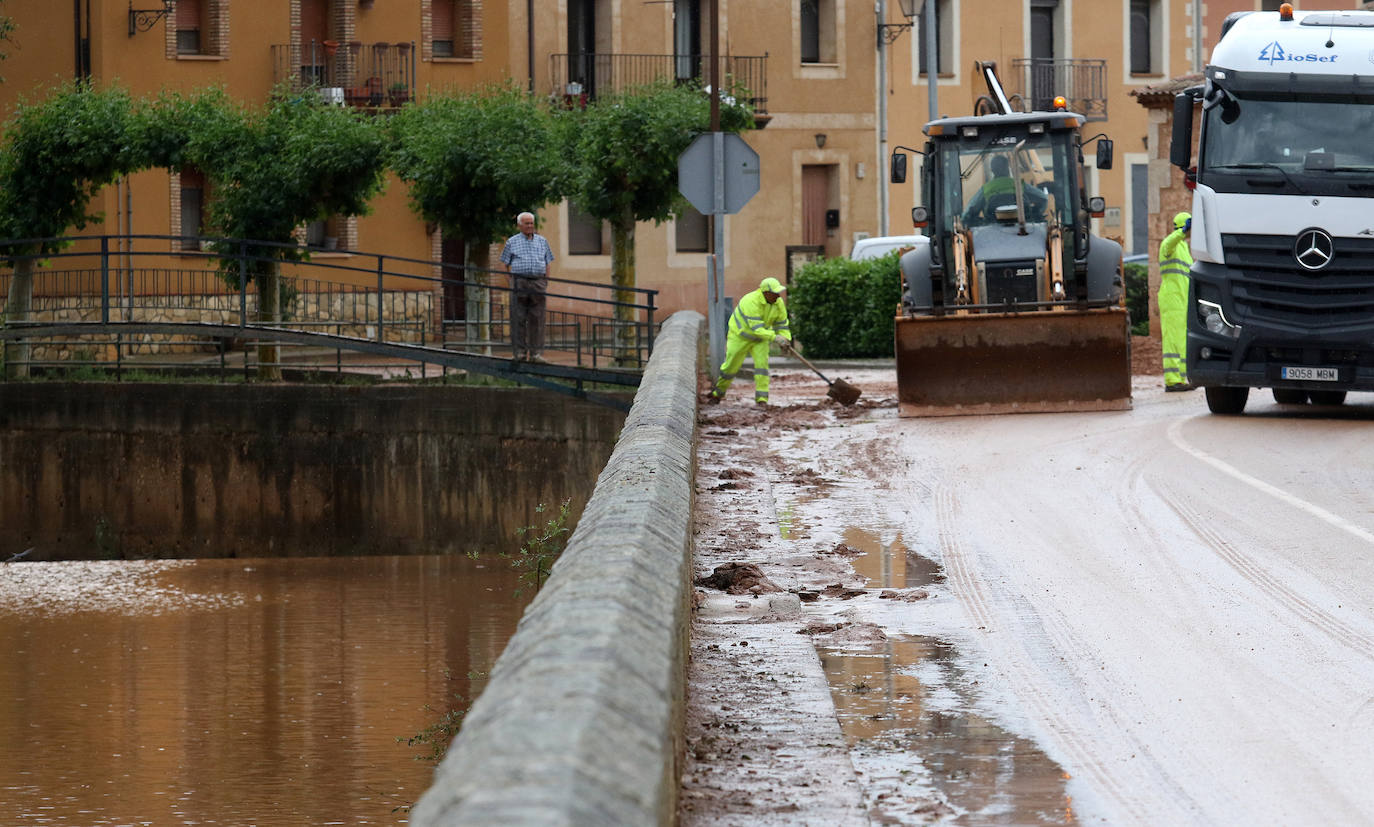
(1281, 291)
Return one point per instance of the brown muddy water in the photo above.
(235, 691)
(909, 702)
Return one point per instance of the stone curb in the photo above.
(581, 721)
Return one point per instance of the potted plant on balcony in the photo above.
(399, 93)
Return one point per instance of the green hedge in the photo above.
(844, 308)
(1138, 297)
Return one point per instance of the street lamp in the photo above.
(889, 32)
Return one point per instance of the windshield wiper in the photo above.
(1265, 166)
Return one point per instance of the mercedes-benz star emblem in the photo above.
(1314, 249)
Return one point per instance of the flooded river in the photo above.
(265, 692)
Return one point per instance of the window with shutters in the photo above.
(945, 21)
(1146, 37)
(452, 29)
(585, 233)
(192, 212)
(189, 15)
(441, 12)
(198, 29)
(817, 31)
(690, 231)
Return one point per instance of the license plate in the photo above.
(1311, 374)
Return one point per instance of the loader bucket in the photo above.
(1028, 362)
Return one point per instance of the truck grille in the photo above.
(1010, 281)
(1268, 285)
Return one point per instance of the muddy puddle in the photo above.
(906, 710)
(890, 565)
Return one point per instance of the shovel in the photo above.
(840, 390)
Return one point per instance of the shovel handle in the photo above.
(808, 364)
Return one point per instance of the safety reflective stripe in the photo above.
(1171, 356)
(1174, 267)
(729, 375)
(746, 325)
(763, 372)
(760, 397)
(1173, 370)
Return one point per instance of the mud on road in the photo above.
(803, 706)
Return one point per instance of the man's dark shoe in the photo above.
(1182, 386)
(712, 399)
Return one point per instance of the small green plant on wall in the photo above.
(541, 547)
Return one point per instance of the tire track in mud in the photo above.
(969, 589)
(1255, 572)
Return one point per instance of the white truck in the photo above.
(1282, 285)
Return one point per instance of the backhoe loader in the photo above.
(1015, 306)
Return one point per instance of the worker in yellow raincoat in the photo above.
(1175, 260)
(759, 318)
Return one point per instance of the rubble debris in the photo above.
(738, 578)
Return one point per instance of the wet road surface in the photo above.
(1157, 616)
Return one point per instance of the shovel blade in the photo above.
(843, 392)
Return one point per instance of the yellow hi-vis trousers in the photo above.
(1173, 326)
(736, 348)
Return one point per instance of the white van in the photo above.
(879, 246)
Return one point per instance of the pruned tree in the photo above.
(474, 160)
(623, 152)
(55, 156)
(295, 161)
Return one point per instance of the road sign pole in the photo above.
(717, 273)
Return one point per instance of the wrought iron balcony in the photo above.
(1082, 82)
(356, 73)
(580, 77)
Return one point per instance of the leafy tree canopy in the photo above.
(58, 153)
(623, 149)
(271, 170)
(474, 160)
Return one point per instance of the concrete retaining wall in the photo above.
(115, 470)
(581, 721)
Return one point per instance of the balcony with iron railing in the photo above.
(1082, 82)
(365, 75)
(579, 77)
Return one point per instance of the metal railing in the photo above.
(391, 306)
(1082, 82)
(580, 76)
(359, 74)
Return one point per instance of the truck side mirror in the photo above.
(1104, 153)
(1181, 141)
(899, 168)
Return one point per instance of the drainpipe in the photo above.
(529, 39)
(884, 194)
(1197, 36)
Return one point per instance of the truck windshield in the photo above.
(1314, 146)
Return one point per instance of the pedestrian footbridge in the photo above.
(116, 304)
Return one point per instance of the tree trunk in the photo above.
(622, 276)
(269, 313)
(17, 310)
(478, 298)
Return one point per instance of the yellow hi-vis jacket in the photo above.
(755, 320)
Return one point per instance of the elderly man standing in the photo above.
(759, 318)
(527, 257)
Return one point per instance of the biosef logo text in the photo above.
(1274, 53)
